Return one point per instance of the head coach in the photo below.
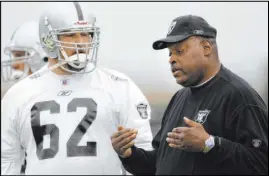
(216, 124)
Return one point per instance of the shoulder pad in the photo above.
(114, 75)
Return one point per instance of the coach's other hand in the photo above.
(122, 141)
(191, 138)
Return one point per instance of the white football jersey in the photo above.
(64, 123)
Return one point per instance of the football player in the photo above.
(25, 55)
(66, 122)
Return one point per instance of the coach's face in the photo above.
(188, 61)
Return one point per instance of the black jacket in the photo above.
(229, 108)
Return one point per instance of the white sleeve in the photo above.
(11, 150)
(138, 116)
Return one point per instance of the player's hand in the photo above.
(122, 141)
(191, 138)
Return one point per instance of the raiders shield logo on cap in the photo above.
(142, 110)
(171, 27)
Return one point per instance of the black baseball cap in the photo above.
(184, 27)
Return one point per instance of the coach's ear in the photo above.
(207, 47)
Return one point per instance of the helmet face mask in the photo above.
(74, 56)
(20, 54)
(12, 69)
(79, 57)
(9, 74)
(24, 52)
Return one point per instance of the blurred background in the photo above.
(128, 30)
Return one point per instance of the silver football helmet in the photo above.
(31, 57)
(67, 18)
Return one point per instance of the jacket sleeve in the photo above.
(143, 162)
(248, 153)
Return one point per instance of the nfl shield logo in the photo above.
(142, 110)
(256, 143)
(202, 116)
(64, 82)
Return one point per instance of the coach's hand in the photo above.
(191, 138)
(122, 141)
